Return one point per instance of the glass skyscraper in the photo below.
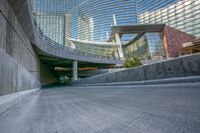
(91, 20)
(152, 5)
(183, 15)
(50, 17)
(83, 19)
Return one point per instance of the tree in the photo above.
(132, 62)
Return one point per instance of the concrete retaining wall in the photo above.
(15, 42)
(19, 63)
(14, 77)
(179, 67)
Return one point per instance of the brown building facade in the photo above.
(173, 40)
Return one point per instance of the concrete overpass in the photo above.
(23, 10)
(25, 46)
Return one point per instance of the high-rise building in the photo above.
(85, 28)
(68, 24)
(52, 26)
(183, 15)
(100, 13)
(53, 18)
(92, 19)
(152, 5)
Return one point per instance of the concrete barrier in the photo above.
(188, 65)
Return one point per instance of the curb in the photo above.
(177, 80)
(10, 100)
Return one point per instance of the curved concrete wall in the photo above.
(179, 67)
(19, 64)
(15, 42)
(60, 52)
(23, 10)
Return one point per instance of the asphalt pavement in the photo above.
(170, 108)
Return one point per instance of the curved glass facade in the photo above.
(148, 47)
(83, 19)
(49, 15)
(102, 49)
(92, 19)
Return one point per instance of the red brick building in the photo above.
(173, 40)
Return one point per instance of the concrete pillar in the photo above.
(117, 39)
(165, 45)
(120, 50)
(75, 70)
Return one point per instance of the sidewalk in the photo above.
(10, 100)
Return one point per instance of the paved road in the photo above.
(122, 109)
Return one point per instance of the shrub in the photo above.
(132, 62)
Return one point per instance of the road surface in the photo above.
(112, 109)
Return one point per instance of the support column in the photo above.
(117, 39)
(75, 70)
(165, 45)
(120, 50)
